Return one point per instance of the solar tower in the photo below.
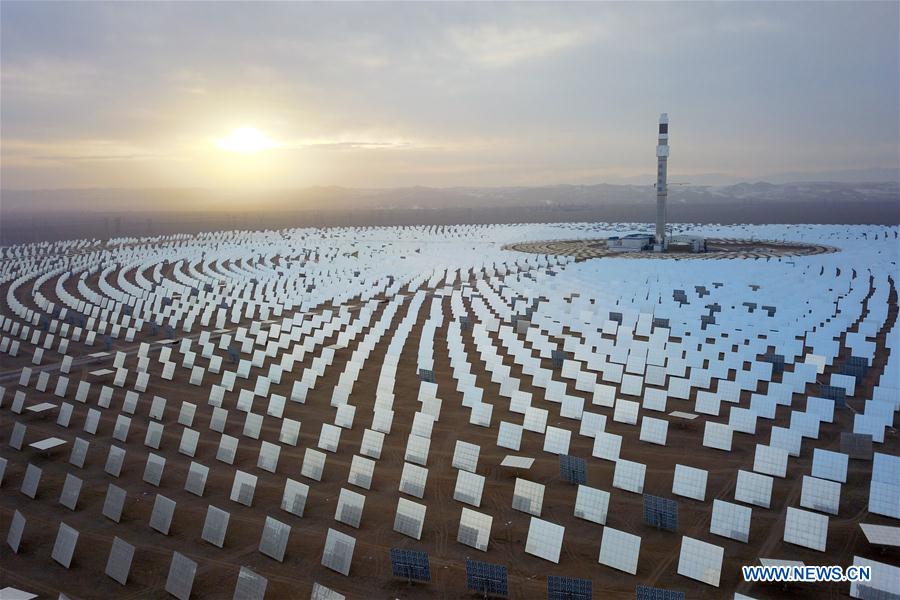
(662, 157)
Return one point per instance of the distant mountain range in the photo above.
(428, 198)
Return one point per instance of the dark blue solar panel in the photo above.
(856, 445)
(858, 371)
(645, 592)
(426, 375)
(833, 392)
(558, 356)
(410, 564)
(569, 588)
(572, 469)
(486, 578)
(662, 513)
(858, 361)
(777, 361)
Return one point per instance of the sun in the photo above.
(246, 140)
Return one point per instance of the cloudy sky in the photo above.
(379, 95)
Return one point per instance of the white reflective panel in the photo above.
(481, 414)
(410, 518)
(413, 480)
(196, 479)
(654, 431)
(338, 553)
(320, 592)
(330, 437)
(742, 420)
(227, 449)
(707, 403)
(807, 424)
(556, 440)
(474, 529)
(268, 456)
(764, 407)
(786, 439)
(731, 520)
(884, 583)
(64, 547)
(632, 385)
(79, 452)
(372, 442)
(114, 503)
(821, 494)
(243, 488)
(350, 507)
(252, 425)
(679, 388)
(626, 411)
(830, 465)
(881, 535)
(517, 462)
(114, 461)
(821, 407)
(805, 528)
(163, 511)
(186, 415)
(189, 440)
(118, 564)
(848, 382)
(776, 562)
(294, 498)
(770, 461)
(604, 395)
(591, 424)
(16, 529)
(607, 446)
(417, 448)
(544, 539)
(465, 456)
(215, 527)
(509, 436)
(153, 470)
(313, 464)
(753, 488)
(250, 586)
(717, 435)
(591, 504)
(690, 482)
(572, 407)
(290, 432)
(528, 497)
(382, 420)
(629, 476)
(276, 406)
(620, 550)
(361, 472)
(469, 487)
(422, 425)
(700, 560)
(535, 419)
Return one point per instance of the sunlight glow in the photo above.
(246, 140)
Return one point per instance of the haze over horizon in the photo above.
(283, 96)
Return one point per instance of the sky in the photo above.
(148, 95)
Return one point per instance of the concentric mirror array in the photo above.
(351, 412)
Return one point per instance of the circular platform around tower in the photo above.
(717, 249)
